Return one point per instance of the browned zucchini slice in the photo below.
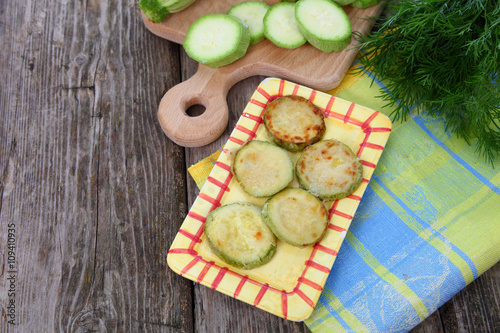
(294, 122)
(262, 169)
(329, 169)
(237, 233)
(296, 216)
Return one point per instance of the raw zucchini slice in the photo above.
(364, 3)
(262, 169)
(324, 24)
(329, 170)
(252, 14)
(296, 216)
(175, 6)
(237, 233)
(217, 40)
(281, 28)
(157, 10)
(294, 122)
(153, 9)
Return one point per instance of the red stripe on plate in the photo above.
(377, 129)
(219, 277)
(251, 133)
(213, 201)
(339, 213)
(317, 266)
(252, 117)
(354, 197)
(367, 122)
(304, 297)
(190, 235)
(325, 249)
(336, 227)
(281, 88)
(258, 103)
(295, 89)
(368, 164)
(310, 283)
(240, 286)
(197, 217)
(238, 141)
(372, 145)
(313, 95)
(220, 184)
(263, 92)
(190, 265)
(261, 293)
(349, 112)
(204, 271)
(284, 304)
(328, 108)
(183, 251)
(223, 166)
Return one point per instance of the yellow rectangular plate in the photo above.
(290, 284)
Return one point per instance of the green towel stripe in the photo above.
(323, 321)
(387, 276)
(347, 316)
(427, 235)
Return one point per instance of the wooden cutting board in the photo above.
(209, 87)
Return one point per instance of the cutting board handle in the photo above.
(207, 87)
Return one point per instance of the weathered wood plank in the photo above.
(95, 190)
(475, 308)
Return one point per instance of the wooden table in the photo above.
(92, 192)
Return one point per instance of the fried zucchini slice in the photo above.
(296, 216)
(329, 170)
(262, 169)
(237, 233)
(294, 122)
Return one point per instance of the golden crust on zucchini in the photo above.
(329, 169)
(237, 233)
(294, 122)
(262, 169)
(296, 216)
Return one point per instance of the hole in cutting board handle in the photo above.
(196, 110)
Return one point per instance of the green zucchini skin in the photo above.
(296, 217)
(210, 29)
(281, 28)
(251, 13)
(261, 168)
(324, 24)
(153, 10)
(157, 10)
(329, 170)
(238, 235)
(294, 122)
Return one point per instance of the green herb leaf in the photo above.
(443, 58)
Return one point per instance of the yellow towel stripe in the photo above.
(346, 315)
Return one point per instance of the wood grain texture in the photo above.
(97, 192)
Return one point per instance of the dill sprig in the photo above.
(443, 58)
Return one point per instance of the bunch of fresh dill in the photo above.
(442, 57)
